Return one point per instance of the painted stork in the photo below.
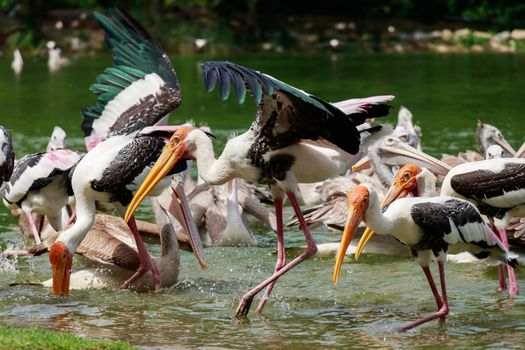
(18, 62)
(7, 155)
(497, 188)
(40, 184)
(140, 89)
(296, 137)
(428, 226)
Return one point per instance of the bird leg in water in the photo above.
(502, 235)
(443, 310)
(146, 262)
(311, 249)
(33, 226)
(281, 257)
(513, 285)
(432, 284)
(502, 281)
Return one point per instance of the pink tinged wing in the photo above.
(359, 105)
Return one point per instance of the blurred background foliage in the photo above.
(246, 25)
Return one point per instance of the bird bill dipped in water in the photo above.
(405, 183)
(61, 262)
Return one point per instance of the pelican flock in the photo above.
(334, 158)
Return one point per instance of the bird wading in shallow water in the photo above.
(428, 226)
(296, 137)
(497, 188)
(139, 90)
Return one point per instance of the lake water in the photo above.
(447, 95)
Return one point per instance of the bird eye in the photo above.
(176, 139)
(403, 137)
(406, 176)
(389, 140)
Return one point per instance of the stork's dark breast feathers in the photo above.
(143, 151)
(434, 218)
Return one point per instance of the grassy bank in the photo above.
(22, 338)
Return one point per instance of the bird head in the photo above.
(405, 183)
(61, 260)
(358, 203)
(176, 148)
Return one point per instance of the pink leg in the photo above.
(146, 263)
(281, 258)
(502, 281)
(311, 249)
(33, 226)
(72, 218)
(443, 310)
(432, 284)
(513, 289)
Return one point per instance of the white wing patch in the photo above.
(60, 159)
(471, 232)
(130, 96)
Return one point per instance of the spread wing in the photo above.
(285, 114)
(142, 83)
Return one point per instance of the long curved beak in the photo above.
(521, 151)
(394, 192)
(352, 222)
(175, 202)
(404, 154)
(169, 157)
(506, 147)
(61, 271)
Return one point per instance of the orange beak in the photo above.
(61, 260)
(356, 211)
(404, 183)
(172, 153)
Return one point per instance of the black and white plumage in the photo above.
(110, 173)
(141, 85)
(428, 226)
(7, 155)
(138, 91)
(295, 137)
(40, 184)
(497, 186)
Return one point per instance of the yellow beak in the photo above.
(169, 157)
(352, 222)
(395, 191)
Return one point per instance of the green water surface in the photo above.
(447, 95)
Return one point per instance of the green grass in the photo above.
(22, 338)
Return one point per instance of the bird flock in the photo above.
(350, 171)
